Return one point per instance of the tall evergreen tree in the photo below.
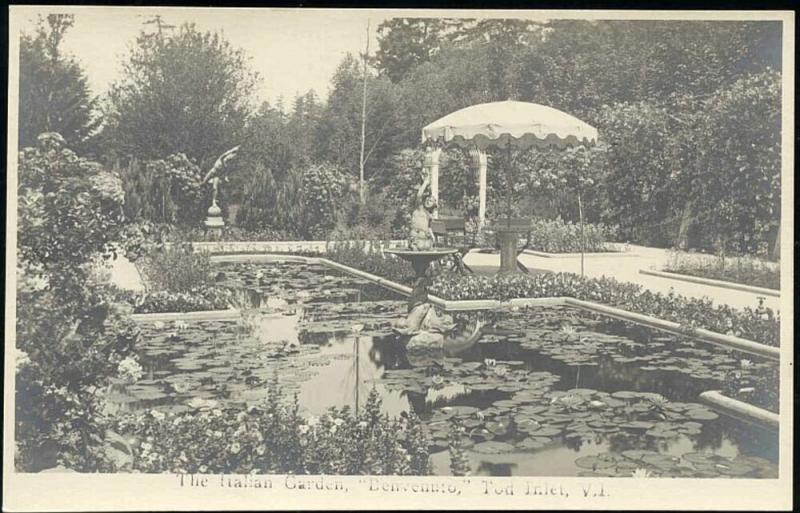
(54, 94)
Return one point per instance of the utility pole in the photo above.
(362, 192)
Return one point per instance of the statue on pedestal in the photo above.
(214, 218)
(421, 235)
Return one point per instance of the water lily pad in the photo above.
(625, 394)
(534, 442)
(701, 414)
(548, 431)
(637, 425)
(599, 461)
(492, 447)
(527, 425)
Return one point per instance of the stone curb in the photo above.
(714, 283)
(741, 410)
(204, 315)
(578, 255)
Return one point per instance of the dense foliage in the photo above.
(69, 336)
(748, 271)
(164, 191)
(559, 236)
(273, 438)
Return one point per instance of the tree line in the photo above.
(688, 113)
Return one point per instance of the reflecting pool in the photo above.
(544, 392)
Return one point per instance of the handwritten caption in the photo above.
(431, 486)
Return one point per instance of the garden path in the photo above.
(626, 269)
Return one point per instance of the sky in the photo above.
(292, 51)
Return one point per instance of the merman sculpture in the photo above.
(426, 332)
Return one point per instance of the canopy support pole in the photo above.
(432, 154)
(480, 162)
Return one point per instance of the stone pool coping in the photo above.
(714, 283)
(595, 254)
(202, 315)
(223, 247)
(728, 341)
(741, 410)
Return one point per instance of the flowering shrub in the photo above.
(273, 438)
(559, 236)
(760, 324)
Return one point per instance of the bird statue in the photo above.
(216, 170)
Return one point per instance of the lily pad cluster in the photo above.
(646, 463)
(578, 340)
(278, 284)
(213, 360)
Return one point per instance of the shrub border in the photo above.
(714, 283)
(728, 341)
(741, 410)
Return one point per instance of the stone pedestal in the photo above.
(420, 261)
(507, 238)
(214, 222)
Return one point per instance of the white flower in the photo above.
(158, 415)
(181, 325)
(217, 412)
(362, 424)
(338, 422)
(641, 473)
(129, 370)
(235, 448)
(159, 325)
(203, 468)
(303, 429)
(20, 358)
(333, 429)
(312, 421)
(745, 363)
(490, 362)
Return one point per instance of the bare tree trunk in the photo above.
(682, 241)
(776, 247)
(580, 219)
(362, 194)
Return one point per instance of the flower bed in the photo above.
(273, 438)
(559, 236)
(162, 301)
(747, 271)
(759, 389)
(760, 324)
